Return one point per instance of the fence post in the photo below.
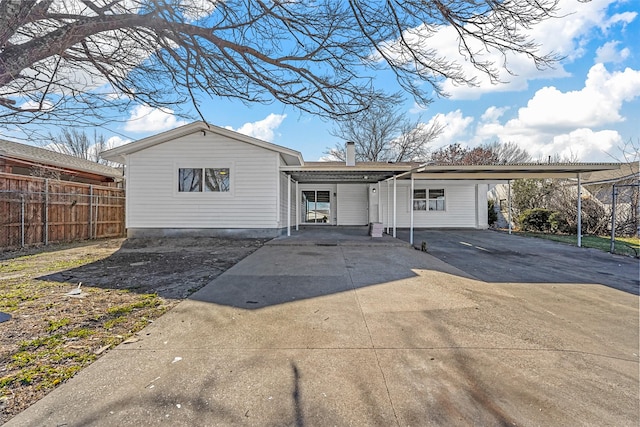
(90, 211)
(46, 211)
(613, 219)
(22, 220)
(95, 222)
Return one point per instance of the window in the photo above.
(216, 179)
(419, 200)
(436, 200)
(191, 180)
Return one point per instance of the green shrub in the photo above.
(559, 224)
(492, 213)
(536, 219)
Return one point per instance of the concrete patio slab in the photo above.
(376, 335)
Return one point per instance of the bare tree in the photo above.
(86, 61)
(456, 154)
(508, 152)
(382, 133)
(78, 144)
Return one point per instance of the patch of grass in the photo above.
(16, 294)
(146, 301)
(109, 324)
(80, 333)
(629, 246)
(17, 264)
(54, 325)
(72, 263)
(48, 342)
(44, 376)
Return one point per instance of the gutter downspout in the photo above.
(297, 207)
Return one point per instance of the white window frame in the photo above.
(200, 165)
(422, 202)
(437, 200)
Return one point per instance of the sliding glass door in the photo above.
(316, 207)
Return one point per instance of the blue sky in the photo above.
(584, 109)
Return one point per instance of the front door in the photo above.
(316, 206)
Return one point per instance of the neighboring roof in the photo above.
(291, 157)
(626, 171)
(31, 154)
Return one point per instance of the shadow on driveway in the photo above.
(497, 257)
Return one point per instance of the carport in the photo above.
(378, 174)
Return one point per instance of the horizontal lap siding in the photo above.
(154, 201)
(352, 204)
(460, 201)
(284, 201)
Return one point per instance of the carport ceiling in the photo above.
(340, 176)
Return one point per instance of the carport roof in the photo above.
(371, 172)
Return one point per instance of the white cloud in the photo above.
(115, 141)
(262, 129)
(609, 53)
(146, 119)
(492, 114)
(32, 105)
(565, 36)
(624, 18)
(581, 144)
(597, 104)
(456, 126)
(566, 123)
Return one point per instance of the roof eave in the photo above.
(119, 154)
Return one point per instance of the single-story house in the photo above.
(23, 159)
(205, 180)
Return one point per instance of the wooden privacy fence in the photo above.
(41, 211)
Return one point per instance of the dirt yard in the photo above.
(57, 326)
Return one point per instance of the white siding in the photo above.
(460, 201)
(284, 201)
(152, 182)
(282, 217)
(483, 208)
(352, 204)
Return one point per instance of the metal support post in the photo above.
(411, 212)
(395, 208)
(579, 219)
(614, 196)
(288, 206)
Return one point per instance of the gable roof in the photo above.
(36, 155)
(291, 157)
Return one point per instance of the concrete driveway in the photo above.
(368, 335)
(498, 257)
